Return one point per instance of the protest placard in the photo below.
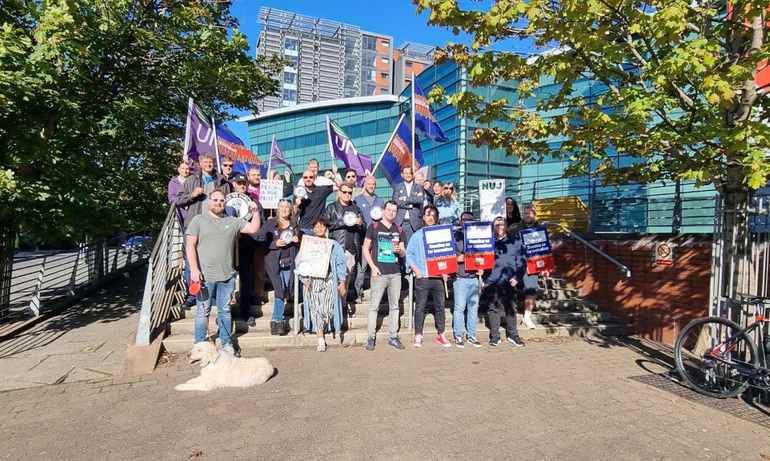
(440, 251)
(537, 249)
(270, 192)
(492, 198)
(479, 241)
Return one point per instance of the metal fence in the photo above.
(42, 279)
(164, 287)
(746, 268)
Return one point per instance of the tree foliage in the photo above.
(93, 97)
(673, 85)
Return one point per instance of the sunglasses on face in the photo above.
(449, 188)
(307, 177)
(217, 200)
(227, 165)
(346, 192)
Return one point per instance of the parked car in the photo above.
(135, 244)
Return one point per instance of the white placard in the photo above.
(492, 199)
(314, 256)
(270, 192)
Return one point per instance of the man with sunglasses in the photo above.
(312, 205)
(227, 168)
(346, 224)
(196, 188)
(210, 244)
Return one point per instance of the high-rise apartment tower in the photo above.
(328, 59)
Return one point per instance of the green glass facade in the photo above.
(634, 208)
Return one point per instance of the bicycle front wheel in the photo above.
(710, 361)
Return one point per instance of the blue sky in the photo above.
(396, 18)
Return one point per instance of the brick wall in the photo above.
(656, 301)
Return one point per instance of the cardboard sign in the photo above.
(492, 198)
(664, 254)
(537, 249)
(440, 252)
(270, 192)
(479, 241)
(314, 256)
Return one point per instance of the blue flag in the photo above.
(231, 145)
(399, 154)
(424, 123)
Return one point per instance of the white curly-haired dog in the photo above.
(220, 369)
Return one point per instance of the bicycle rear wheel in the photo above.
(709, 362)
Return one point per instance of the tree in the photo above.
(680, 92)
(93, 97)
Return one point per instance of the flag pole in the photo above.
(413, 132)
(270, 157)
(187, 138)
(392, 135)
(216, 143)
(329, 136)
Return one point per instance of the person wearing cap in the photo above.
(210, 244)
(367, 201)
(249, 260)
(346, 224)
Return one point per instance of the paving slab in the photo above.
(553, 399)
(86, 342)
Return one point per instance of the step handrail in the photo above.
(591, 246)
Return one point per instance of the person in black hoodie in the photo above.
(499, 285)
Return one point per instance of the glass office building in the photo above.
(579, 203)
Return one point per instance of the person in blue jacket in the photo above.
(499, 285)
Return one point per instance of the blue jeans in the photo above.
(466, 293)
(278, 303)
(220, 293)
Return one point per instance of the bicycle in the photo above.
(720, 359)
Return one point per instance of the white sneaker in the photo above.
(528, 323)
(230, 350)
(251, 321)
(321, 346)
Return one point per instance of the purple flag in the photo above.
(276, 155)
(399, 154)
(199, 138)
(343, 149)
(424, 123)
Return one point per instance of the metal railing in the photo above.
(586, 206)
(41, 279)
(590, 246)
(163, 288)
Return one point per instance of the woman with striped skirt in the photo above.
(323, 306)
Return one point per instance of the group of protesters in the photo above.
(364, 231)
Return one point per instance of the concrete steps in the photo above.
(559, 313)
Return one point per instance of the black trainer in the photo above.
(459, 342)
(516, 341)
(473, 341)
(495, 342)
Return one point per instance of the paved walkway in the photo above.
(573, 400)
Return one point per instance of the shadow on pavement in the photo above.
(114, 301)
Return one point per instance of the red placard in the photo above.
(476, 261)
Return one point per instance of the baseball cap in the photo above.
(240, 177)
